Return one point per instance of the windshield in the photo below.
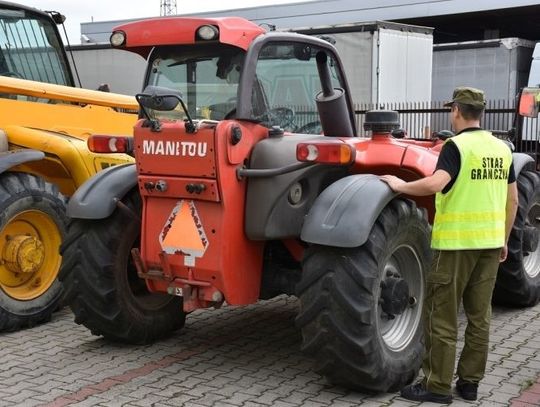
(207, 77)
(286, 83)
(30, 48)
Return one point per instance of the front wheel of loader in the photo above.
(101, 282)
(518, 279)
(32, 226)
(361, 307)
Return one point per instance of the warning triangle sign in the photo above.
(182, 234)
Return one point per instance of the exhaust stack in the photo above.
(331, 104)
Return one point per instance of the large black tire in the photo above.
(354, 342)
(32, 226)
(101, 282)
(518, 279)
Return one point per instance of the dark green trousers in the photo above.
(456, 276)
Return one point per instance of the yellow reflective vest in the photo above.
(471, 215)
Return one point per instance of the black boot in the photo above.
(467, 390)
(418, 392)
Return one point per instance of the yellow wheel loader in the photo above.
(44, 125)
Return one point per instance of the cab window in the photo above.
(286, 83)
(207, 78)
(30, 48)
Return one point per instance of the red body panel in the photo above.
(198, 238)
(142, 36)
(383, 154)
(406, 158)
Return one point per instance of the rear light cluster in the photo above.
(326, 153)
(110, 144)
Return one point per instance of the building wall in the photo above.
(333, 12)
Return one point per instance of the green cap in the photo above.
(468, 96)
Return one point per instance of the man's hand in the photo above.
(393, 182)
(504, 253)
(420, 187)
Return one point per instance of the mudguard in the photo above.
(9, 159)
(522, 161)
(97, 197)
(345, 212)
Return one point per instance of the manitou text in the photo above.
(175, 148)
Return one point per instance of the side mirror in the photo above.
(159, 98)
(164, 100)
(302, 52)
(529, 102)
(57, 17)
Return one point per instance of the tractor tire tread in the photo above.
(92, 283)
(336, 316)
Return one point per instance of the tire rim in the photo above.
(531, 262)
(398, 333)
(30, 258)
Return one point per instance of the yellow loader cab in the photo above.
(44, 125)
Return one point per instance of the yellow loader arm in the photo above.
(58, 120)
(15, 86)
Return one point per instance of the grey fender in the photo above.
(345, 212)
(522, 161)
(97, 197)
(9, 159)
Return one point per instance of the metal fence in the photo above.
(421, 119)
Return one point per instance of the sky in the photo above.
(83, 11)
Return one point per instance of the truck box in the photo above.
(534, 73)
(385, 62)
(500, 67)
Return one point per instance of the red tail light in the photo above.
(110, 144)
(326, 153)
(528, 103)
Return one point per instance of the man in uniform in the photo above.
(476, 201)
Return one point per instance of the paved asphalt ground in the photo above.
(235, 356)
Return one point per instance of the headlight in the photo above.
(118, 38)
(207, 32)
